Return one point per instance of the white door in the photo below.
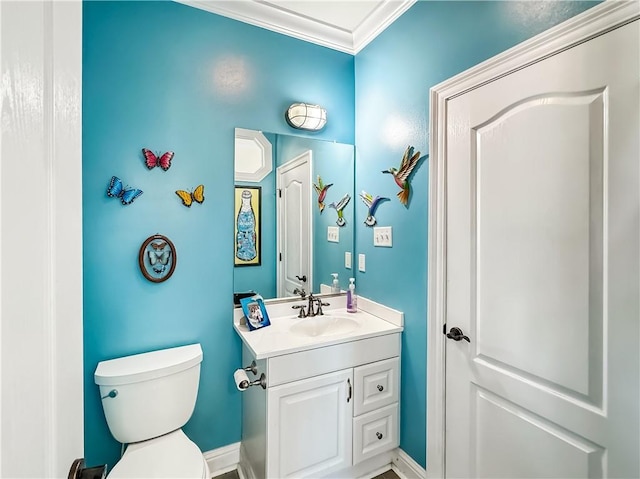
(543, 268)
(309, 426)
(294, 225)
(41, 377)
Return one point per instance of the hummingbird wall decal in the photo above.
(372, 203)
(340, 208)
(321, 189)
(401, 176)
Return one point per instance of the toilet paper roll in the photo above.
(241, 379)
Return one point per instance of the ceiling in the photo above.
(347, 26)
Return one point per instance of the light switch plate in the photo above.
(347, 259)
(333, 234)
(361, 265)
(383, 236)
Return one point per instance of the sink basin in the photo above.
(326, 325)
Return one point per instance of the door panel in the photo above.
(538, 194)
(294, 224)
(526, 441)
(543, 267)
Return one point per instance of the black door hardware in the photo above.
(457, 335)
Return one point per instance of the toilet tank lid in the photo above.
(145, 366)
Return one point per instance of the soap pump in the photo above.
(335, 286)
(352, 299)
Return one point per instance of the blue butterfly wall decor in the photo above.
(117, 190)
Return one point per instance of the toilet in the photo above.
(147, 399)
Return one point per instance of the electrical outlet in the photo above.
(361, 265)
(333, 234)
(347, 259)
(383, 236)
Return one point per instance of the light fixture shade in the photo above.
(306, 117)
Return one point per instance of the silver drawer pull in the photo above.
(380, 387)
(379, 435)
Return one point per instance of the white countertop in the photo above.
(276, 340)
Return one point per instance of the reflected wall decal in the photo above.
(372, 203)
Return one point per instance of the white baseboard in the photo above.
(405, 467)
(245, 471)
(227, 458)
(223, 460)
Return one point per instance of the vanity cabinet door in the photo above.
(309, 426)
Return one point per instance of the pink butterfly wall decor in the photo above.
(152, 160)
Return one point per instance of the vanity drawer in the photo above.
(375, 432)
(375, 385)
(314, 362)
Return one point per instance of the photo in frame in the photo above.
(248, 202)
(255, 311)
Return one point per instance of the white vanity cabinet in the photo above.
(326, 412)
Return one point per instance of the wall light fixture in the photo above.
(306, 117)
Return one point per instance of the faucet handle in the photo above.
(302, 313)
(320, 305)
(301, 292)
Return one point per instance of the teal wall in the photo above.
(170, 77)
(431, 42)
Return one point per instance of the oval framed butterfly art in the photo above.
(157, 258)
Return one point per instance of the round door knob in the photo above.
(379, 435)
(380, 387)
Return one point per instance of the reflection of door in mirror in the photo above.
(294, 230)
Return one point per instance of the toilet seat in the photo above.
(172, 455)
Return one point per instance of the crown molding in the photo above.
(274, 18)
(383, 16)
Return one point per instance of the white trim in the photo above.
(245, 471)
(223, 460)
(266, 155)
(281, 20)
(397, 460)
(406, 468)
(65, 144)
(593, 22)
(2, 99)
(383, 16)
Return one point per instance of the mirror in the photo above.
(288, 236)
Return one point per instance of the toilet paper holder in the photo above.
(261, 381)
(252, 367)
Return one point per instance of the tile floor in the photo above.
(385, 475)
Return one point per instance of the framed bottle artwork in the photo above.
(247, 225)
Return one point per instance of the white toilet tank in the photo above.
(150, 394)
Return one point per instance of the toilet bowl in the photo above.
(147, 399)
